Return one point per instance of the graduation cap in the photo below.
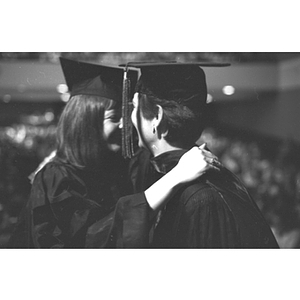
(184, 83)
(91, 79)
(99, 80)
(173, 80)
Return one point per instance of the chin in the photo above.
(114, 148)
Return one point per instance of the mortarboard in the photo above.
(91, 79)
(184, 83)
(105, 81)
(173, 80)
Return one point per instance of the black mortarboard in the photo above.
(105, 81)
(90, 79)
(184, 83)
(173, 80)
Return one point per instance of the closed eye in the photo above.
(113, 118)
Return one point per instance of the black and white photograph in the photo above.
(151, 157)
(87, 139)
(155, 150)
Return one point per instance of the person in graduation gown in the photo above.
(74, 194)
(214, 211)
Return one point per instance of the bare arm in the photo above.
(192, 165)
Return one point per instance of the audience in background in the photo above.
(271, 174)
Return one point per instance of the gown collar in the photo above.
(166, 161)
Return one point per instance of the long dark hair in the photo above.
(80, 131)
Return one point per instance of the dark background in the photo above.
(255, 132)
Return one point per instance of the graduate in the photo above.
(214, 211)
(74, 194)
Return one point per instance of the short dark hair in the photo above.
(183, 122)
(80, 131)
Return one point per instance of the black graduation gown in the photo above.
(133, 217)
(68, 208)
(214, 211)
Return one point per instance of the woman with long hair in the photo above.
(73, 197)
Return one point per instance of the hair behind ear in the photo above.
(181, 125)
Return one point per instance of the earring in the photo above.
(154, 130)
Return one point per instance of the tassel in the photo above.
(127, 140)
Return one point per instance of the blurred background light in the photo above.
(62, 88)
(6, 98)
(228, 90)
(49, 116)
(65, 97)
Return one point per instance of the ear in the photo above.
(159, 124)
(159, 115)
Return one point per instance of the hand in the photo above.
(210, 158)
(195, 163)
(191, 165)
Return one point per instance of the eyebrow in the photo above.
(111, 112)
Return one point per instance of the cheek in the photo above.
(106, 132)
(134, 118)
(108, 129)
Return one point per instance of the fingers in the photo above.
(216, 167)
(207, 152)
(205, 149)
(212, 162)
(202, 147)
(211, 159)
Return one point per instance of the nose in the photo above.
(121, 123)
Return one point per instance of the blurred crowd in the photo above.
(271, 172)
(22, 148)
(121, 57)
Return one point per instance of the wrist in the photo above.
(176, 176)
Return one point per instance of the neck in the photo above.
(161, 146)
